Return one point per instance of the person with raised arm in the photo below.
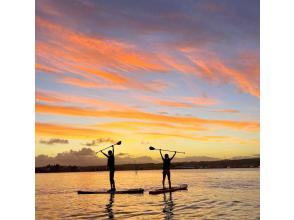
(166, 168)
(111, 167)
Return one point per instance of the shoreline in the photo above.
(219, 164)
(237, 168)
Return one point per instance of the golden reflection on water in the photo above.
(212, 194)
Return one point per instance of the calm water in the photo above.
(212, 194)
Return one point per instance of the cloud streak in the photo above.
(185, 102)
(100, 141)
(60, 110)
(54, 141)
(227, 111)
(96, 52)
(56, 98)
(85, 56)
(73, 132)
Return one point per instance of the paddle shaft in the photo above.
(171, 151)
(105, 148)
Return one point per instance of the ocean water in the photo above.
(212, 194)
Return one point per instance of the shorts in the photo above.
(166, 172)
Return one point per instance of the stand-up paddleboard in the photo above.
(165, 190)
(127, 191)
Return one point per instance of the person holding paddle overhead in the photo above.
(111, 167)
(166, 168)
(110, 164)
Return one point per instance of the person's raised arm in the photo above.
(173, 156)
(161, 155)
(104, 154)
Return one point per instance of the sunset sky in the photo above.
(182, 75)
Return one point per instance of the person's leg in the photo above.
(168, 176)
(110, 179)
(163, 179)
(113, 182)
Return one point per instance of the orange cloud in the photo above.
(175, 64)
(57, 98)
(191, 137)
(202, 101)
(69, 131)
(80, 83)
(227, 111)
(88, 50)
(142, 125)
(94, 54)
(60, 110)
(45, 68)
(209, 66)
(43, 97)
(214, 69)
(238, 78)
(189, 101)
(82, 55)
(163, 102)
(90, 75)
(73, 132)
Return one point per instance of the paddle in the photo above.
(118, 143)
(152, 148)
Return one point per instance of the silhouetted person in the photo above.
(111, 167)
(166, 168)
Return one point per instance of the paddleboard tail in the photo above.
(166, 190)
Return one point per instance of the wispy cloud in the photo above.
(54, 141)
(202, 101)
(143, 125)
(212, 68)
(185, 136)
(84, 55)
(100, 141)
(70, 132)
(93, 53)
(57, 98)
(226, 111)
(164, 102)
(60, 110)
(181, 102)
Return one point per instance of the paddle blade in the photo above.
(118, 143)
(151, 148)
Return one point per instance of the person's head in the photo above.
(166, 156)
(109, 152)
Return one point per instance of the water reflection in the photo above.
(168, 205)
(109, 206)
(217, 191)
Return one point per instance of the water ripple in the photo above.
(212, 194)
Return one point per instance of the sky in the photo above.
(178, 75)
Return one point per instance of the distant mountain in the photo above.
(88, 157)
(243, 163)
(195, 158)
